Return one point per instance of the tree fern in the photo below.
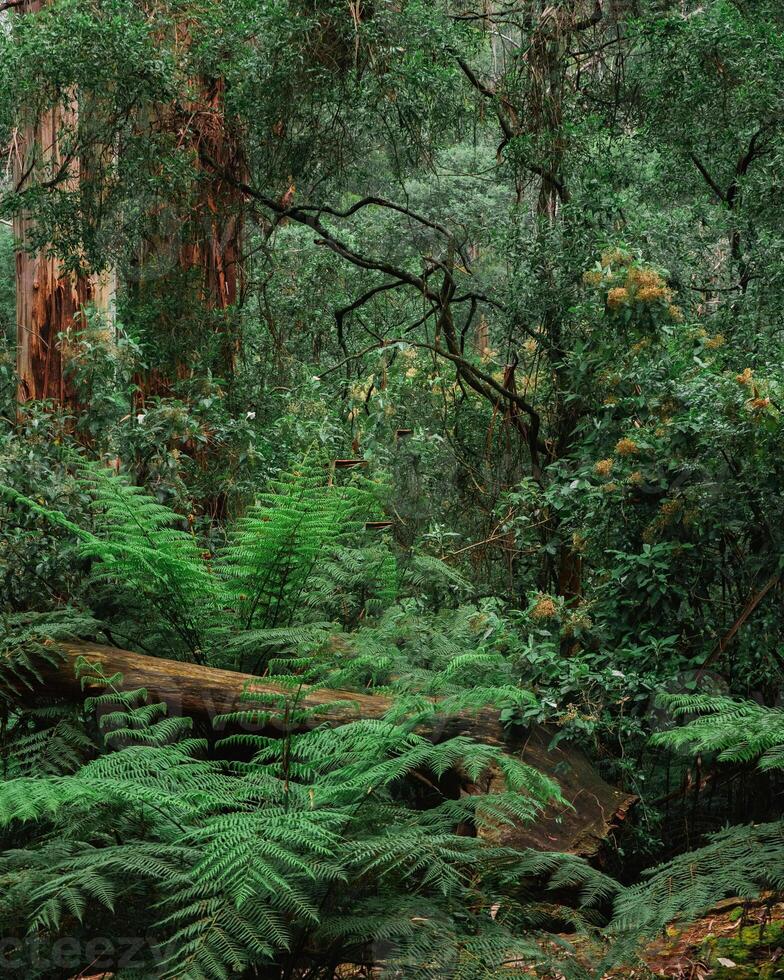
(268, 848)
(736, 731)
(742, 860)
(274, 549)
(38, 738)
(28, 643)
(280, 563)
(142, 553)
(233, 865)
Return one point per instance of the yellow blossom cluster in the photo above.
(615, 256)
(636, 478)
(571, 713)
(544, 608)
(626, 447)
(630, 283)
(670, 508)
(757, 400)
(618, 296)
(668, 513)
(713, 343)
(642, 277)
(603, 467)
(650, 294)
(647, 286)
(360, 390)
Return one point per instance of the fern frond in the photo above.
(743, 861)
(735, 731)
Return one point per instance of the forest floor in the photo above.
(736, 940)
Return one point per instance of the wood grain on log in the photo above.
(594, 808)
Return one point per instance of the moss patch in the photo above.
(755, 951)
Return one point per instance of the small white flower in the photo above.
(250, 416)
(140, 417)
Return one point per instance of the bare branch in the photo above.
(707, 177)
(592, 21)
(343, 312)
(382, 203)
(508, 129)
(482, 382)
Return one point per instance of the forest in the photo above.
(391, 489)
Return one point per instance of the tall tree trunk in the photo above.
(50, 300)
(189, 270)
(547, 67)
(220, 202)
(214, 248)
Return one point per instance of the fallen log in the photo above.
(593, 808)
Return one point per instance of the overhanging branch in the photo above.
(441, 299)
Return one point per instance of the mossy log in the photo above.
(594, 809)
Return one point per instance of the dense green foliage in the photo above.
(524, 263)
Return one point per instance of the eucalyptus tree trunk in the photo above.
(50, 299)
(189, 266)
(547, 57)
(214, 247)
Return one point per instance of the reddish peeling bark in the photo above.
(206, 272)
(50, 300)
(47, 305)
(217, 251)
(50, 307)
(216, 224)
